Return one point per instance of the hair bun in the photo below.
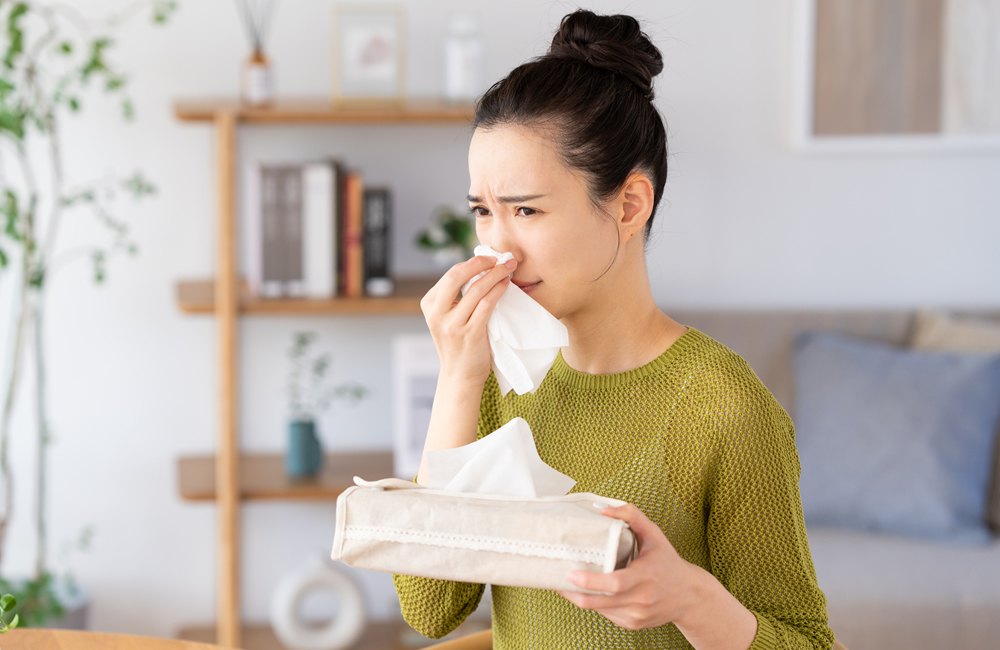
(614, 43)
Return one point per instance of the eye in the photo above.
(479, 211)
(525, 212)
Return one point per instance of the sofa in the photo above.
(884, 591)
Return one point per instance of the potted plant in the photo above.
(7, 603)
(450, 238)
(309, 394)
(51, 57)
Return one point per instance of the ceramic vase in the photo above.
(304, 456)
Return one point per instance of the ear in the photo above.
(636, 205)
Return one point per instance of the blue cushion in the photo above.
(895, 440)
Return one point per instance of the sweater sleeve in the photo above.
(756, 531)
(436, 607)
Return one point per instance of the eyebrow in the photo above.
(508, 199)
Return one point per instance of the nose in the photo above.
(499, 236)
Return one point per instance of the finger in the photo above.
(599, 602)
(647, 533)
(614, 583)
(456, 277)
(483, 307)
(483, 286)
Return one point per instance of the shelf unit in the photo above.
(229, 477)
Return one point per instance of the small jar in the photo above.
(463, 49)
(257, 82)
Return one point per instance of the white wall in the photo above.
(747, 223)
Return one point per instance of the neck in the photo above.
(622, 329)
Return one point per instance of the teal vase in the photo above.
(304, 456)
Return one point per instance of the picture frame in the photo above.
(368, 58)
(812, 58)
(415, 370)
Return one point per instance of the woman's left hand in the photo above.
(653, 590)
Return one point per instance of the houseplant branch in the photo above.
(39, 78)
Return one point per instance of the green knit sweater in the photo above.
(705, 451)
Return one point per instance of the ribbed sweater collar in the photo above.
(562, 373)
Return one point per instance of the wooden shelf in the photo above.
(379, 635)
(198, 297)
(262, 476)
(312, 110)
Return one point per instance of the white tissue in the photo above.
(524, 337)
(504, 462)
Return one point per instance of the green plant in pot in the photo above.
(52, 59)
(450, 238)
(310, 393)
(7, 603)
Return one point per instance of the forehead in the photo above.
(512, 159)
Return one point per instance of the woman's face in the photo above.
(527, 202)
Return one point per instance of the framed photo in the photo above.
(415, 370)
(369, 54)
(896, 76)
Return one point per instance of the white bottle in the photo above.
(463, 53)
(257, 81)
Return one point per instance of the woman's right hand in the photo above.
(459, 326)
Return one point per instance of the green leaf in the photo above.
(12, 122)
(15, 35)
(8, 602)
(95, 62)
(138, 186)
(74, 104)
(66, 47)
(14, 621)
(162, 10)
(37, 278)
(114, 83)
(128, 112)
(99, 266)
(3, 265)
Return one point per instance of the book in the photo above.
(376, 219)
(250, 228)
(272, 274)
(290, 216)
(353, 261)
(319, 236)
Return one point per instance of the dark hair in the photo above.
(594, 90)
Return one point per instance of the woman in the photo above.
(568, 165)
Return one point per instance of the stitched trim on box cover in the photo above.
(475, 543)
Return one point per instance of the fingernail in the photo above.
(573, 577)
(511, 264)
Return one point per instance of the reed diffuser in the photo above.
(257, 78)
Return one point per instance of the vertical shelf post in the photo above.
(227, 458)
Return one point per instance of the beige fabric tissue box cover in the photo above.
(396, 526)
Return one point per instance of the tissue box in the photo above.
(401, 527)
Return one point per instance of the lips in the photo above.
(521, 284)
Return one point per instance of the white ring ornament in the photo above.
(341, 632)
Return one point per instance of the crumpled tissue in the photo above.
(524, 337)
(504, 462)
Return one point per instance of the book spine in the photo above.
(338, 226)
(343, 205)
(291, 214)
(317, 230)
(272, 271)
(353, 234)
(253, 254)
(377, 222)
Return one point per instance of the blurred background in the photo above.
(758, 215)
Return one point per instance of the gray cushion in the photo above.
(895, 440)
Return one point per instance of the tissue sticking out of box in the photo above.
(504, 462)
(524, 337)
